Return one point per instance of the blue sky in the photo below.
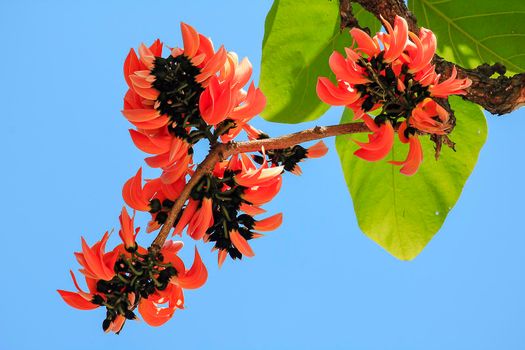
(317, 282)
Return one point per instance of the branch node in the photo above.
(318, 129)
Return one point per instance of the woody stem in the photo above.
(224, 150)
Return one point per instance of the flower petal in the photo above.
(241, 244)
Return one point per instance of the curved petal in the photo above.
(243, 72)
(154, 315)
(196, 276)
(190, 38)
(127, 231)
(146, 143)
(212, 66)
(156, 48)
(153, 124)
(176, 172)
(221, 256)
(253, 105)
(131, 64)
(347, 70)
(379, 146)
(251, 209)
(187, 214)
(133, 195)
(146, 56)
(364, 42)
(140, 115)
(451, 86)
(241, 244)
(76, 300)
(259, 195)
(117, 324)
(317, 150)
(396, 40)
(340, 95)
(202, 220)
(269, 224)
(147, 93)
(414, 158)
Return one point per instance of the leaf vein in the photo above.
(452, 23)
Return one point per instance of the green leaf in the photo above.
(402, 213)
(366, 19)
(299, 37)
(474, 32)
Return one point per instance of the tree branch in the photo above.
(499, 95)
(204, 168)
(389, 9)
(224, 150)
(348, 19)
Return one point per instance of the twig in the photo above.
(205, 167)
(348, 19)
(224, 150)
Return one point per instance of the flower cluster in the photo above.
(392, 73)
(222, 206)
(131, 276)
(195, 93)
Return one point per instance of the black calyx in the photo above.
(287, 157)
(226, 197)
(137, 274)
(179, 93)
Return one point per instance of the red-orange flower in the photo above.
(341, 95)
(201, 220)
(127, 231)
(365, 44)
(450, 86)
(392, 73)
(80, 300)
(415, 153)
(395, 40)
(250, 176)
(195, 93)
(151, 308)
(224, 97)
(139, 278)
(96, 263)
(379, 142)
(421, 50)
(428, 116)
(155, 196)
(214, 212)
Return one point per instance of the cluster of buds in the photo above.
(132, 277)
(392, 73)
(195, 93)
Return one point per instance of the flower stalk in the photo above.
(224, 150)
